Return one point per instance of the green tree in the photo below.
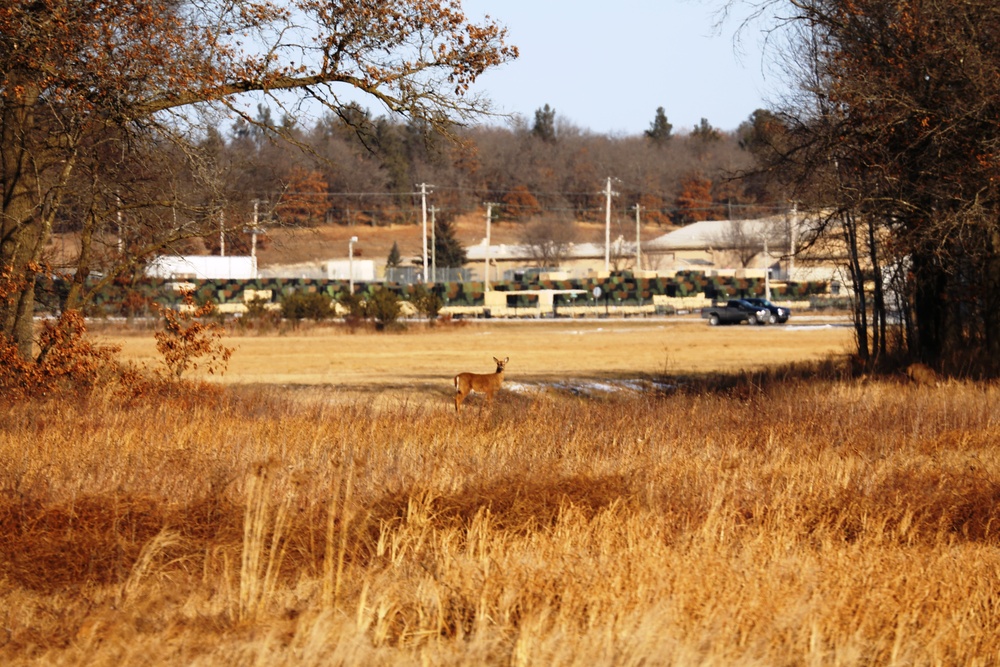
(353, 304)
(297, 306)
(83, 80)
(383, 308)
(391, 152)
(394, 260)
(448, 250)
(426, 301)
(545, 124)
(659, 131)
(704, 132)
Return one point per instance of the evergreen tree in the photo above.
(394, 259)
(545, 124)
(705, 132)
(391, 152)
(660, 129)
(448, 252)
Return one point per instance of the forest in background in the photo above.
(360, 169)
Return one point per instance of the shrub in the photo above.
(383, 307)
(259, 316)
(184, 339)
(427, 302)
(67, 361)
(306, 305)
(354, 306)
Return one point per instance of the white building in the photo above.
(202, 267)
(363, 270)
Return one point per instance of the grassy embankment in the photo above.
(800, 521)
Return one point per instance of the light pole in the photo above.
(350, 262)
(486, 267)
(607, 227)
(434, 265)
(638, 230)
(423, 206)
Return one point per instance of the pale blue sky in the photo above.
(606, 66)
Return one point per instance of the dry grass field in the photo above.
(422, 359)
(763, 517)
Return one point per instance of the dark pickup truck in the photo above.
(776, 314)
(734, 312)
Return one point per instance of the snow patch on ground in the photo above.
(583, 387)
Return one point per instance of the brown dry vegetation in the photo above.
(426, 359)
(771, 519)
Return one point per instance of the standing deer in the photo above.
(483, 383)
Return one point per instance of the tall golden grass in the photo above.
(801, 522)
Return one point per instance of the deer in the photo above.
(487, 383)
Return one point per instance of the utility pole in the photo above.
(434, 264)
(253, 232)
(121, 242)
(489, 221)
(767, 270)
(253, 236)
(793, 230)
(607, 228)
(638, 251)
(423, 205)
(350, 262)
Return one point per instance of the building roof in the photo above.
(513, 252)
(714, 233)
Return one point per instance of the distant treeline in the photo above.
(360, 169)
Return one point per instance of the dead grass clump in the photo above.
(928, 504)
(94, 541)
(516, 504)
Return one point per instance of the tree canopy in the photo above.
(90, 89)
(448, 251)
(896, 135)
(545, 124)
(660, 129)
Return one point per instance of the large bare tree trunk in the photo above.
(20, 250)
(991, 309)
(929, 308)
(850, 230)
(30, 200)
(20, 225)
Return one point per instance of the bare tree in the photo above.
(741, 241)
(892, 136)
(549, 239)
(79, 77)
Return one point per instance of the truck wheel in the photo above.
(753, 320)
(713, 320)
(772, 319)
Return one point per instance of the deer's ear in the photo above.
(506, 359)
(496, 360)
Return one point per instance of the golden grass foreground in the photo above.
(774, 519)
